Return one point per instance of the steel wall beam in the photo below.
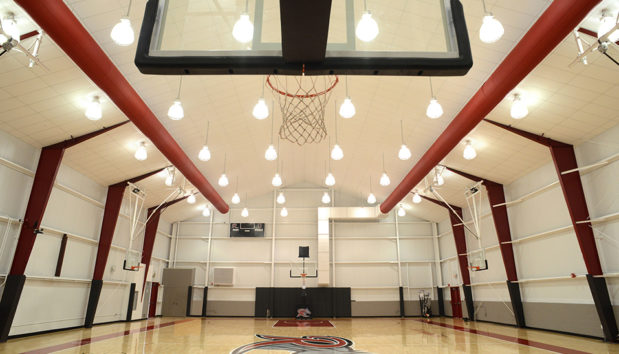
(61, 25)
(558, 21)
(457, 229)
(42, 185)
(564, 160)
(496, 197)
(113, 202)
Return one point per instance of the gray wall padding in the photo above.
(494, 311)
(230, 308)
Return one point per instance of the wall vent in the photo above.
(223, 276)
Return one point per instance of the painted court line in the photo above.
(530, 343)
(84, 341)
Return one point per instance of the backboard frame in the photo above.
(150, 60)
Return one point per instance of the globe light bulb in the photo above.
(491, 29)
(606, 24)
(401, 211)
(367, 28)
(223, 180)
(326, 199)
(122, 33)
(469, 151)
(384, 180)
(244, 212)
(330, 180)
(271, 153)
(168, 180)
(416, 198)
(281, 199)
(206, 212)
(284, 212)
(243, 30)
(277, 180)
(140, 153)
(191, 199)
(9, 27)
(204, 154)
(93, 110)
(440, 180)
(519, 108)
(347, 108)
(337, 153)
(434, 109)
(371, 198)
(404, 153)
(261, 110)
(236, 199)
(176, 111)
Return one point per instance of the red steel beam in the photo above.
(57, 20)
(150, 233)
(496, 196)
(459, 238)
(549, 30)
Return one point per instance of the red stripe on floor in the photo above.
(530, 343)
(84, 341)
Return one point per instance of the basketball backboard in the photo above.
(319, 37)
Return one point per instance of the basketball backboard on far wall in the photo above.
(415, 37)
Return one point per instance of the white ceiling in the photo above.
(568, 104)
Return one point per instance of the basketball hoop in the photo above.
(302, 100)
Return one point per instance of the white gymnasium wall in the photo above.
(75, 208)
(365, 253)
(546, 245)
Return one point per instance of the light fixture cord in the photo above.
(225, 158)
(246, 6)
(272, 127)
(346, 79)
(208, 124)
(383, 162)
(129, 8)
(236, 190)
(278, 157)
(335, 120)
(329, 154)
(483, 4)
(365, 5)
(180, 83)
(370, 184)
(431, 88)
(402, 131)
(263, 83)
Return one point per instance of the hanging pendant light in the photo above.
(416, 198)
(336, 153)
(330, 180)
(469, 151)
(491, 29)
(140, 153)
(122, 33)
(205, 153)
(607, 23)
(235, 198)
(206, 211)
(261, 110)
(191, 199)
(384, 179)
(438, 176)
(281, 199)
(223, 179)
(271, 154)
(93, 109)
(401, 211)
(367, 28)
(434, 110)
(176, 111)
(284, 212)
(404, 153)
(243, 30)
(347, 109)
(245, 212)
(326, 199)
(519, 108)
(9, 27)
(169, 176)
(277, 180)
(371, 197)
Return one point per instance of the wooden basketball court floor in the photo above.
(236, 335)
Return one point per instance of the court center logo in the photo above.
(305, 344)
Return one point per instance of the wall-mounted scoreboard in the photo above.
(245, 229)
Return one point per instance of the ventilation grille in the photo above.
(223, 276)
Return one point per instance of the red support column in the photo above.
(44, 178)
(574, 195)
(150, 233)
(113, 203)
(457, 227)
(496, 197)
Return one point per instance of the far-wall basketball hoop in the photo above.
(302, 100)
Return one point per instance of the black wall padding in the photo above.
(323, 302)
